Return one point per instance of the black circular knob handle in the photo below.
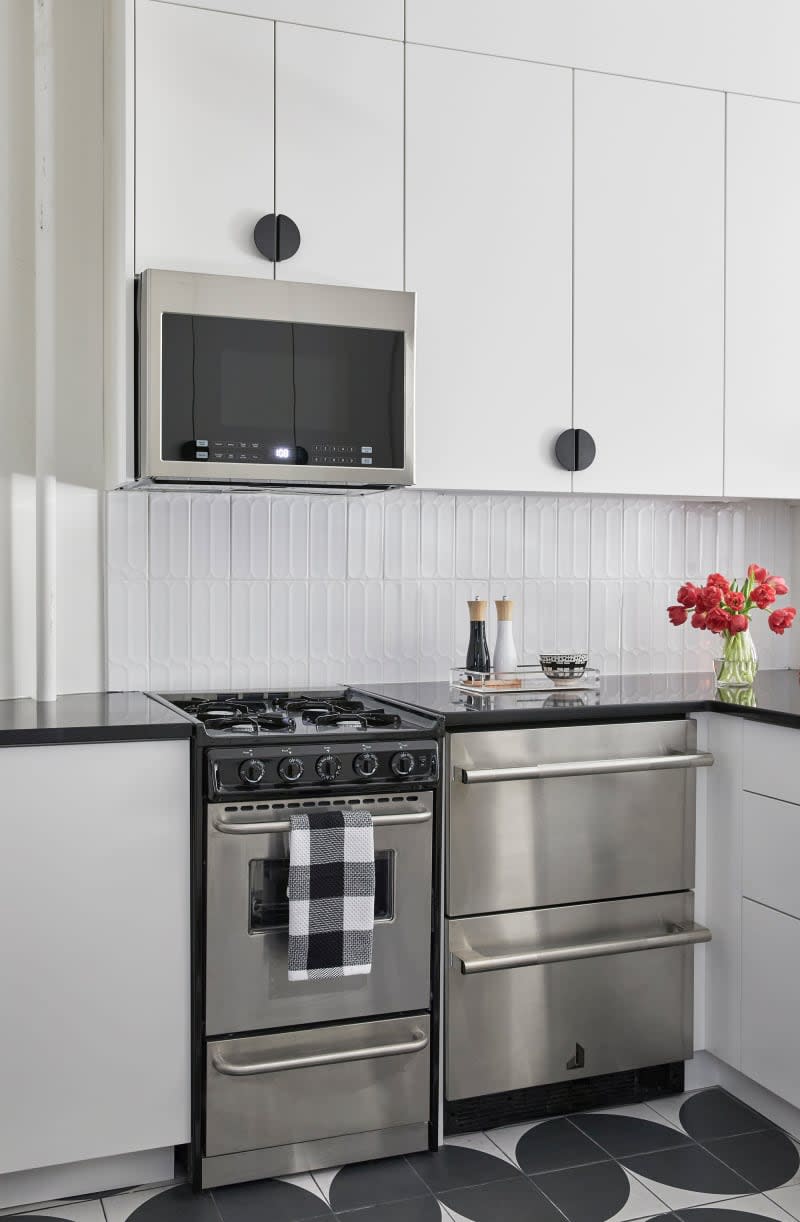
(251, 772)
(575, 449)
(365, 764)
(290, 769)
(276, 237)
(402, 763)
(328, 767)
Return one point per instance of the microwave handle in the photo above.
(601, 767)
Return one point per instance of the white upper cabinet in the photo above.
(649, 275)
(238, 117)
(381, 18)
(339, 155)
(762, 390)
(749, 46)
(204, 138)
(488, 251)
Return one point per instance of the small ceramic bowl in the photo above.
(561, 667)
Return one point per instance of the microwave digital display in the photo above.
(264, 391)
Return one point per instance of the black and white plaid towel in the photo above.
(331, 894)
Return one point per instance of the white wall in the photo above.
(79, 370)
(216, 590)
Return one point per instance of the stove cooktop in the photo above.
(266, 715)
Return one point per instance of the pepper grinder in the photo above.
(478, 648)
(505, 653)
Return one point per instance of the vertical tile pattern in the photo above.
(219, 589)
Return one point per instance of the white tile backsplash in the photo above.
(211, 590)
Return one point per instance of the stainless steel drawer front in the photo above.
(533, 1007)
(566, 814)
(247, 987)
(316, 1083)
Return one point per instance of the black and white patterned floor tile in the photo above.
(61, 1211)
(700, 1157)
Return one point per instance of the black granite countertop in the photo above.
(88, 718)
(775, 697)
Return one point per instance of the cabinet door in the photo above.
(762, 390)
(649, 275)
(381, 18)
(204, 138)
(488, 250)
(339, 155)
(94, 953)
(770, 1000)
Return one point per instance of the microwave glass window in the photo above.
(260, 391)
(269, 907)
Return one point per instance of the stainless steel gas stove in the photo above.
(295, 1076)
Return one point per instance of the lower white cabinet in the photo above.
(94, 951)
(771, 999)
(771, 852)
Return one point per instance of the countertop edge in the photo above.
(51, 736)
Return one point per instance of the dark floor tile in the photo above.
(620, 1135)
(717, 1213)
(689, 1167)
(767, 1159)
(376, 1183)
(555, 1144)
(715, 1113)
(587, 1194)
(178, 1204)
(418, 1209)
(266, 1199)
(459, 1167)
(503, 1201)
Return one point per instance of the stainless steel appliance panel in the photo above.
(254, 298)
(316, 1083)
(567, 814)
(613, 1008)
(247, 987)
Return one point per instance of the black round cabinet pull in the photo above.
(575, 449)
(276, 237)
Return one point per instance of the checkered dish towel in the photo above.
(331, 894)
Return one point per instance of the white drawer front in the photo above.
(771, 999)
(770, 761)
(771, 852)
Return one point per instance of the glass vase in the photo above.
(738, 665)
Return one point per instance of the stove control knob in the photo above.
(366, 764)
(403, 763)
(290, 769)
(251, 772)
(328, 767)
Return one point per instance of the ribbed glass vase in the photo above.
(738, 665)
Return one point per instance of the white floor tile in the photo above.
(679, 1198)
(481, 1142)
(75, 1211)
(757, 1204)
(669, 1108)
(507, 1137)
(788, 1198)
(640, 1204)
(118, 1208)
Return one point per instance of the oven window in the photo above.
(294, 393)
(269, 907)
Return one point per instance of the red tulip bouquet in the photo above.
(725, 607)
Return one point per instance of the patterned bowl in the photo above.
(561, 667)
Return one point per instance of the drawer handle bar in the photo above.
(540, 772)
(257, 827)
(243, 1069)
(676, 935)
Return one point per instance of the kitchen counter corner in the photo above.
(89, 717)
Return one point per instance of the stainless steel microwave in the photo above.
(264, 381)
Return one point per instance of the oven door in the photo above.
(262, 380)
(247, 916)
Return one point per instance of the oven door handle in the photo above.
(237, 1069)
(473, 960)
(258, 827)
(540, 772)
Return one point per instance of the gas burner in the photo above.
(313, 707)
(250, 716)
